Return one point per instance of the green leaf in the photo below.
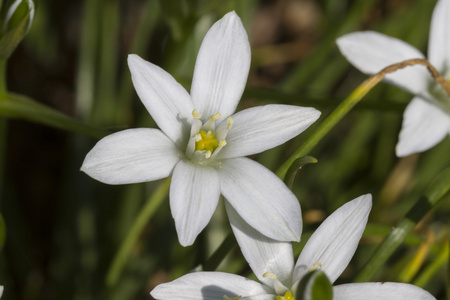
(295, 167)
(315, 286)
(18, 106)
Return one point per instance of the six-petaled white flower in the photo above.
(426, 120)
(330, 248)
(201, 142)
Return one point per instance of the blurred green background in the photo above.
(64, 228)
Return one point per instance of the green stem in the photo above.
(85, 80)
(3, 126)
(3, 88)
(105, 104)
(217, 257)
(437, 191)
(428, 273)
(328, 124)
(448, 271)
(142, 219)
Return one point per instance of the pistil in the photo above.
(205, 141)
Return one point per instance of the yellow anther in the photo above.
(222, 143)
(287, 296)
(214, 117)
(317, 265)
(206, 141)
(196, 115)
(230, 123)
(270, 275)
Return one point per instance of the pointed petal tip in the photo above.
(401, 151)
(185, 241)
(231, 14)
(364, 200)
(315, 114)
(133, 59)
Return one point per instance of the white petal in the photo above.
(439, 44)
(164, 98)
(370, 52)
(194, 194)
(221, 68)
(264, 127)
(209, 286)
(130, 156)
(262, 254)
(333, 244)
(380, 291)
(261, 199)
(424, 126)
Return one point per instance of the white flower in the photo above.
(201, 143)
(426, 120)
(330, 248)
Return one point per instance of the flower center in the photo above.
(287, 296)
(206, 140)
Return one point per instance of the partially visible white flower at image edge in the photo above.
(202, 142)
(426, 120)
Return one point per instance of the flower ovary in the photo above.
(287, 296)
(207, 142)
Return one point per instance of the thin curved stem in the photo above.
(153, 203)
(351, 101)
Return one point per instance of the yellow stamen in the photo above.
(196, 115)
(229, 123)
(317, 265)
(222, 143)
(206, 141)
(214, 117)
(270, 275)
(287, 296)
